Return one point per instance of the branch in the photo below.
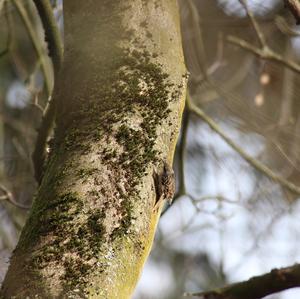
(285, 28)
(255, 25)
(182, 153)
(9, 30)
(10, 198)
(294, 7)
(55, 47)
(257, 287)
(39, 154)
(52, 35)
(253, 162)
(35, 42)
(264, 53)
(199, 41)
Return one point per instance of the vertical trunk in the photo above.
(120, 97)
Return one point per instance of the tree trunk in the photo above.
(120, 98)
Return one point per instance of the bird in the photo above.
(164, 183)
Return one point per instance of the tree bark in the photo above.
(120, 97)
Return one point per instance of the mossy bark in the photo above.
(121, 93)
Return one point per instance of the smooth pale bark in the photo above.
(121, 94)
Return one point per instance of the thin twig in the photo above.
(265, 53)
(218, 198)
(284, 27)
(199, 41)
(35, 42)
(257, 287)
(39, 154)
(9, 31)
(255, 25)
(56, 52)
(10, 198)
(252, 161)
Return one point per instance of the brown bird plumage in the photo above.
(164, 185)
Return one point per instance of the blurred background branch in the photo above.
(55, 47)
(254, 162)
(7, 195)
(257, 287)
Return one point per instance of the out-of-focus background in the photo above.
(230, 219)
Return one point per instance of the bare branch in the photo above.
(7, 195)
(36, 104)
(284, 27)
(265, 53)
(39, 154)
(252, 161)
(9, 31)
(257, 287)
(255, 25)
(35, 42)
(55, 46)
(52, 35)
(199, 41)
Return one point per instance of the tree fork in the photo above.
(121, 93)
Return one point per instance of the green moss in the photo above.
(140, 87)
(85, 173)
(84, 242)
(123, 229)
(133, 84)
(94, 193)
(109, 154)
(95, 223)
(74, 269)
